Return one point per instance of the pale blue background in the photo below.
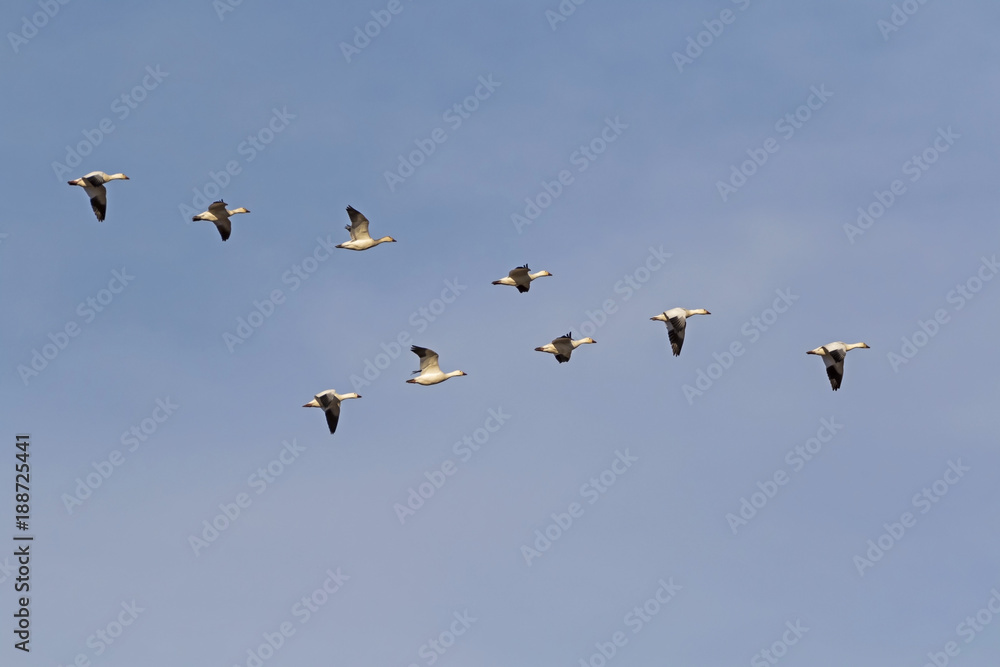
(655, 186)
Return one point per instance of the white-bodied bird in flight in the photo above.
(218, 214)
(676, 321)
(833, 354)
(93, 185)
(330, 400)
(521, 278)
(430, 372)
(360, 238)
(563, 346)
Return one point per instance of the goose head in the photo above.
(117, 177)
(312, 404)
(662, 317)
(387, 239)
(585, 340)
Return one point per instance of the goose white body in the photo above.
(360, 238)
(430, 372)
(329, 401)
(218, 214)
(676, 321)
(93, 185)
(521, 278)
(833, 355)
(563, 346)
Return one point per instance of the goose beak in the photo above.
(538, 349)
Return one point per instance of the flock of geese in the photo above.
(430, 372)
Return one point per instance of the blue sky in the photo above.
(263, 102)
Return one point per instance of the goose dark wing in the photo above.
(835, 367)
(675, 331)
(99, 202)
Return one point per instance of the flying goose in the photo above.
(93, 185)
(330, 400)
(676, 321)
(430, 372)
(521, 278)
(360, 238)
(218, 214)
(563, 346)
(833, 354)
